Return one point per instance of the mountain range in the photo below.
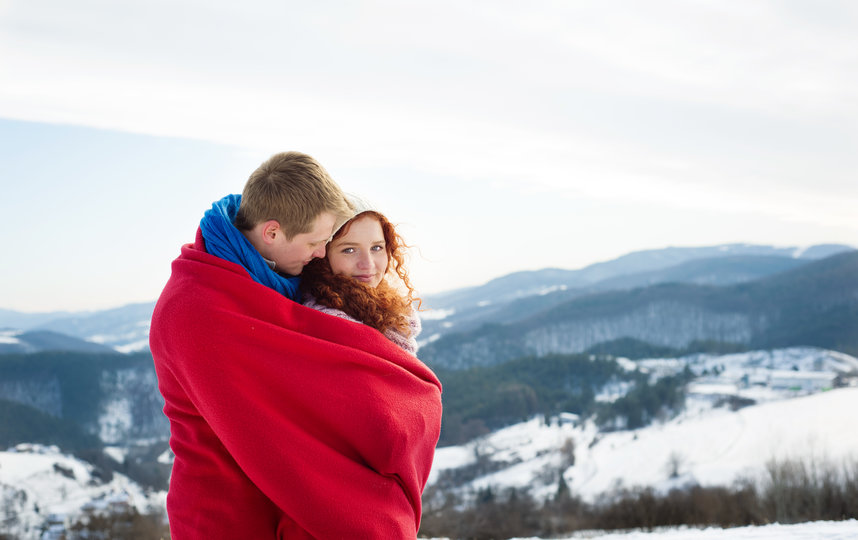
(786, 303)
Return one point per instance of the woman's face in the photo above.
(360, 253)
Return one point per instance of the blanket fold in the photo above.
(285, 422)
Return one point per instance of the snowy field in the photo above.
(818, 530)
(827, 530)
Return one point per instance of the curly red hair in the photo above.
(383, 307)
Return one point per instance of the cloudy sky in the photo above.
(501, 135)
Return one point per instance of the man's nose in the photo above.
(320, 251)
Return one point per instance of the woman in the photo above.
(363, 278)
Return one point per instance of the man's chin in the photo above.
(293, 271)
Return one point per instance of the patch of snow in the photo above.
(135, 346)
(10, 337)
(436, 314)
(716, 388)
(451, 457)
(430, 339)
(167, 457)
(115, 419)
(117, 453)
(134, 337)
(626, 364)
(484, 303)
(613, 391)
(799, 251)
(104, 339)
(548, 290)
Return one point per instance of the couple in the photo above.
(287, 422)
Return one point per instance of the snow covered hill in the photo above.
(743, 411)
(43, 489)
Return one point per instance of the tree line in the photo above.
(788, 491)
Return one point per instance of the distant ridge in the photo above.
(815, 304)
(522, 294)
(526, 283)
(45, 340)
(122, 329)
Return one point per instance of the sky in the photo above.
(499, 135)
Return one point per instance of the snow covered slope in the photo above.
(718, 446)
(41, 486)
(713, 442)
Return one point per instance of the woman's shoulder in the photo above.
(311, 302)
(414, 322)
(408, 342)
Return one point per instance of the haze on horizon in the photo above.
(501, 136)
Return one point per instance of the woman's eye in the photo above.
(377, 248)
(348, 250)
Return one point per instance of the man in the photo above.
(285, 422)
(286, 214)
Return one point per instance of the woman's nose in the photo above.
(364, 261)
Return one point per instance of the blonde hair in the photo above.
(293, 189)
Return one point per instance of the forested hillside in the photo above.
(483, 399)
(111, 396)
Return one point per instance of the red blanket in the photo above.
(286, 422)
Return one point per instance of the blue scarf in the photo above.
(225, 241)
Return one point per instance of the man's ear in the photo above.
(270, 229)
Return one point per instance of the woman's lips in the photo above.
(364, 277)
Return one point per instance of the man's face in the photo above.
(290, 256)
